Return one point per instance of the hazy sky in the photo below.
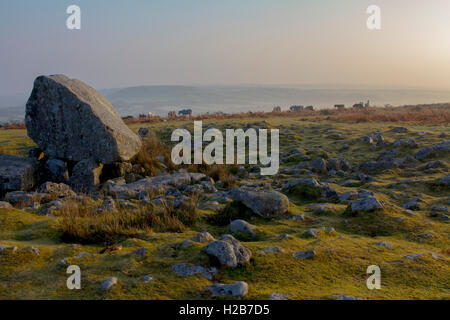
(137, 42)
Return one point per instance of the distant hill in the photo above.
(234, 99)
(162, 99)
(146, 93)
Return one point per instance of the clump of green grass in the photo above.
(306, 191)
(24, 226)
(381, 222)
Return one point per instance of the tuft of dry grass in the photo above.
(222, 173)
(151, 154)
(34, 197)
(218, 172)
(421, 114)
(186, 214)
(78, 226)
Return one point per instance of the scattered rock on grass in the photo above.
(242, 228)
(186, 243)
(4, 248)
(400, 129)
(343, 297)
(314, 233)
(63, 262)
(236, 290)
(229, 251)
(279, 296)
(413, 257)
(82, 255)
(109, 283)
(203, 237)
(384, 244)
(412, 204)
(304, 254)
(267, 204)
(445, 180)
(187, 270)
(319, 165)
(32, 249)
(343, 198)
(424, 153)
(271, 250)
(308, 188)
(284, 236)
(300, 217)
(368, 203)
(158, 183)
(5, 205)
(140, 252)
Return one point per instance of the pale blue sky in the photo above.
(138, 42)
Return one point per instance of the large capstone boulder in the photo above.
(17, 173)
(266, 203)
(70, 120)
(229, 251)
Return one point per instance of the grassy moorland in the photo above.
(414, 260)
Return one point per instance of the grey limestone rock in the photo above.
(70, 120)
